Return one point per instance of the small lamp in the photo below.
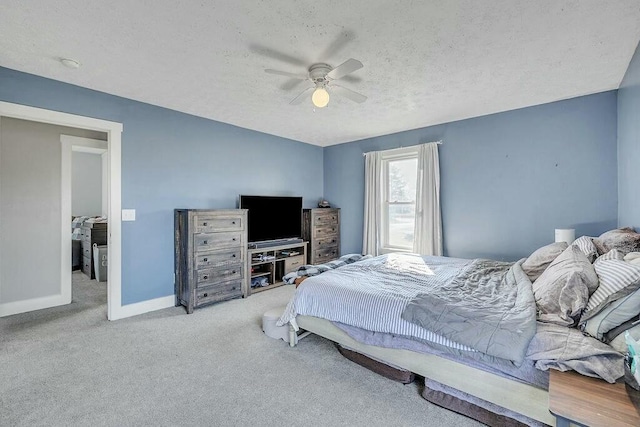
(565, 235)
(320, 97)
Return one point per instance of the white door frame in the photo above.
(114, 141)
(69, 145)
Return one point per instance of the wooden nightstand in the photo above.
(591, 402)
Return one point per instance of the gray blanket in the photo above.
(489, 306)
(565, 349)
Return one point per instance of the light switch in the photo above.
(128, 214)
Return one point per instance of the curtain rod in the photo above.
(397, 148)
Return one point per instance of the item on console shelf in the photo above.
(261, 257)
(259, 282)
(289, 253)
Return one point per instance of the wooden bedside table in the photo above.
(591, 401)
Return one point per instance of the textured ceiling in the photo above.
(425, 62)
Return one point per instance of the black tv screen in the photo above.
(273, 217)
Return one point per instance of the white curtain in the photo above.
(372, 195)
(428, 226)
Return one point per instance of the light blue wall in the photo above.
(175, 160)
(629, 145)
(507, 180)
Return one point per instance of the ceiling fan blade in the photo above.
(347, 67)
(287, 74)
(337, 45)
(351, 79)
(348, 93)
(298, 99)
(272, 53)
(290, 84)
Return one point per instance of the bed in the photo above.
(345, 304)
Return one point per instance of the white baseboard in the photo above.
(143, 307)
(17, 307)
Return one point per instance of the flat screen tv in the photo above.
(273, 217)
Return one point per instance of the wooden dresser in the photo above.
(210, 256)
(321, 228)
(91, 233)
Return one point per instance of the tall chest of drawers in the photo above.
(91, 233)
(210, 256)
(321, 228)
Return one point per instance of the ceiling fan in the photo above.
(322, 76)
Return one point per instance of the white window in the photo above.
(398, 205)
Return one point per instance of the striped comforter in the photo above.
(372, 294)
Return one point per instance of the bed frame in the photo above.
(514, 395)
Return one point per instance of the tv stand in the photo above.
(271, 263)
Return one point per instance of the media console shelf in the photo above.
(270, 264)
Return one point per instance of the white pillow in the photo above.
(540, 259)
(631, 256)
(615, 314)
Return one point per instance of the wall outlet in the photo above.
(128, 214)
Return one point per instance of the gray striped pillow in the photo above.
(617, 279)
(612, 254)
(585, 244)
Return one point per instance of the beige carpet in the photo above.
(70, 366)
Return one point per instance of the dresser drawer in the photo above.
(207, 242)
(326, 243)
(86, 238)
(324, 255)
(221, 292)
(208, 224)
(86, 251)
(230, 256)
(86, 265)
(292, 263)
(325, 219)
(324, 232)
(213, 275)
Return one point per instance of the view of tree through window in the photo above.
(401, 203)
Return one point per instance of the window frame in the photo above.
(387, 157)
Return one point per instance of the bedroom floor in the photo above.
(69, 365)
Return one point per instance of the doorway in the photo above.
(9, 306)
(84, 187)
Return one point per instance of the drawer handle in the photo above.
(233, 289)
(205, 277)
(206, 242)
(233, 222)
(205, 259)
(205, 294)
(233, 272)
(234, 239)
(204, 224)
(233, 255)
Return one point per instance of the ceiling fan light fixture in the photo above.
(320, 97)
